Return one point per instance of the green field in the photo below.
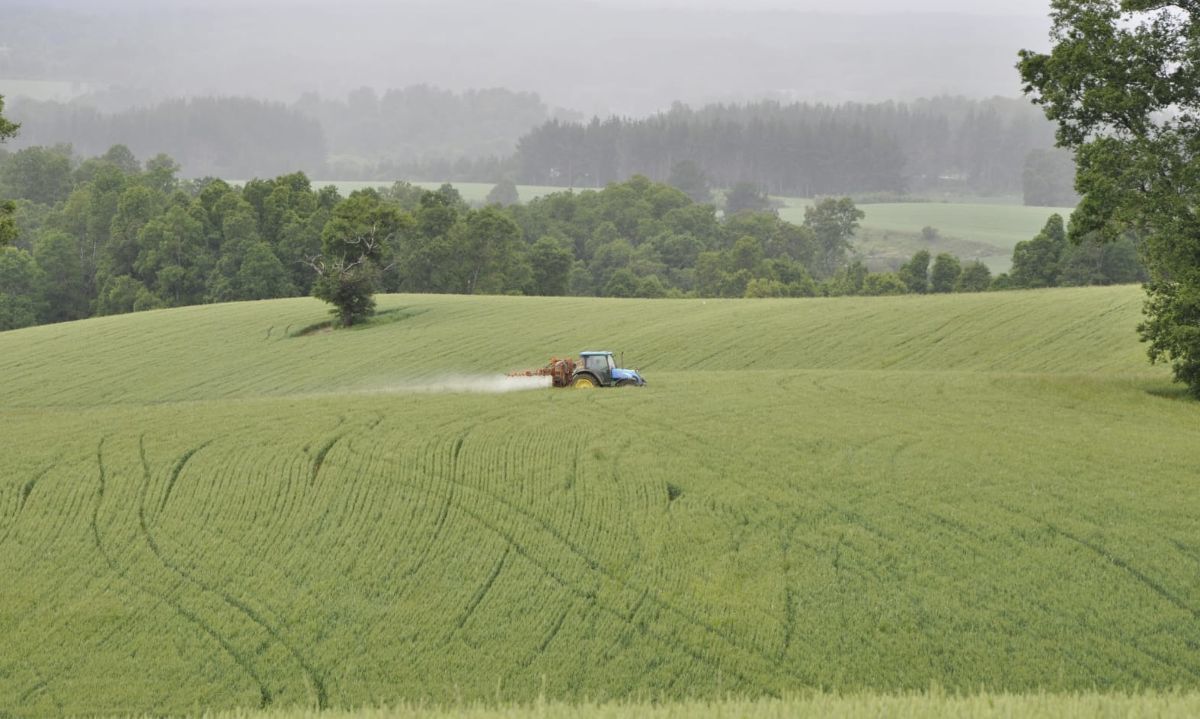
(206, 508)
(473, 192)
(891, 232)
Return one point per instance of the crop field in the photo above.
(210, 508)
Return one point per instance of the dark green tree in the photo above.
(38, 174)
(1036, 262)
(1122, 83)
(833, 223)
(623, 283)
(975, 277)
(945, 273)
(347, 277)
(21, 283)
(915, 273)
(551, 263)
(65, 290)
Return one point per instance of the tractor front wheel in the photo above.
(584, 381)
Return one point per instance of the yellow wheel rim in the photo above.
(583, 383)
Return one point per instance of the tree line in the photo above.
(945, 144)
(113, 234)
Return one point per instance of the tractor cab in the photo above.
(599, 370)
(600, 364)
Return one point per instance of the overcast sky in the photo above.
(594, 56)
(973, 7)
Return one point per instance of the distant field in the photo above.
(474, 192)
(985, 231)
(200, 508)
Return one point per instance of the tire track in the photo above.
(483, 590)
(265, 697)
(176, 470)
(590, 595)
(23, 498)
(41, 684)
(595, 566)
(313, 677)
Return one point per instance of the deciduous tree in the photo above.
(1123, 85)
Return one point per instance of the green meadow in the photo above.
(816, 507)
(986, 231)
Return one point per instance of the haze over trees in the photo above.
(945, 144)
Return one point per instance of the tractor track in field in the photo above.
(23, 498)
(1139, 577)
(482, 592)
(595, 566)
(177, 469)
(1137, 574)
(265, 696)
(313, 677)
(588, 595)
(41, 684)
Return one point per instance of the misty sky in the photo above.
(973, 7)
(593, 56)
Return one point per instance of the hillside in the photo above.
(207, 508)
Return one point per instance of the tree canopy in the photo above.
(1122, 84)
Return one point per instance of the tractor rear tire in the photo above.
(584, 381)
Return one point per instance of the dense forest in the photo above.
(801, 149)
(112, 234)
(946, 145)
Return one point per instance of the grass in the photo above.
(1082, 706)
(200, 509)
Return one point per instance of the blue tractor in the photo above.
(597, 369)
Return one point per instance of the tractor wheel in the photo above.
(584, 381)
(626, 383)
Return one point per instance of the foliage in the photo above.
(1036, 261)
(915, 273)
(8, 128)
(1121, 84)
(945, 273)
(833, 222)
(38, 174)
(975, 277)
(503, 194)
